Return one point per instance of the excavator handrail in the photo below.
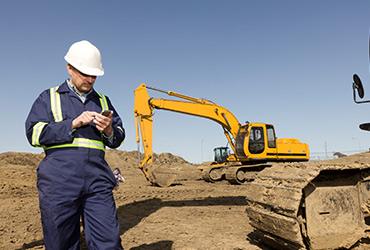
(182, 96)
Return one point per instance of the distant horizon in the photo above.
(312, 158)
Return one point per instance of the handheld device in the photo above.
(106, 112)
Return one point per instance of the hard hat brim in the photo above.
(89, 71)
(84, 69)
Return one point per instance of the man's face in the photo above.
(84, 83)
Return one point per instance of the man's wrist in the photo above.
(75, 123)
(110, 137)
(108, 132)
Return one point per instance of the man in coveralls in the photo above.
(74, 180)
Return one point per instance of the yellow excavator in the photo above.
(253, 144)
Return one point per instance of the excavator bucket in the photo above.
(163, 178)
(159, 176)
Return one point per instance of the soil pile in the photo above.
(192, 214)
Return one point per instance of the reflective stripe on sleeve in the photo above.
(120, 128)
(36, 132)
(80, 142)
(103, 102)
(56, 107)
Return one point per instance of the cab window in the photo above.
(271, 139)
(256, 140)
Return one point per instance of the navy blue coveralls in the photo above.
(74, 179)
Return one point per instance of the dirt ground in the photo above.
(192, 214)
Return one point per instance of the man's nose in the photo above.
(91, 79)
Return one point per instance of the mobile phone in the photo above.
(106, 112)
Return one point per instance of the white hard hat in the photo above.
(85, 57)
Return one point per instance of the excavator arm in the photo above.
(143, 109)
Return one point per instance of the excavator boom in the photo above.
(143, 109)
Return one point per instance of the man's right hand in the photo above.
(83, 119)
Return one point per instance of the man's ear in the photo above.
(69, 68)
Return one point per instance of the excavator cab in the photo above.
(260, 138)
(221, 154)
(257, 143)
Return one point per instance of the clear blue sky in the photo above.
(289, 63)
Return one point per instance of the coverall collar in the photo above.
(65, 89)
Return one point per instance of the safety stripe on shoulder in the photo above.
(103, 102)
(36, 132)
(56, 107)
(80, 142)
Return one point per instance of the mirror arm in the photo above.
(358, 102)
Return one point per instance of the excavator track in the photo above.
(310, 206)
(242, 174)
(214, 173)
(234, 173)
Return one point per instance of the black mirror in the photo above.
(365, 126)
(357, 84)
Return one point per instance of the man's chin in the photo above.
(86, 89)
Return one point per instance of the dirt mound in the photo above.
(356, 158)
(168, 158)
(128, 160)
(166, 165)
(19, 158)
(360, 158)
(189, 215)
(131, 158)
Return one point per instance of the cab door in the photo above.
(271, 149)
(256, 143)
